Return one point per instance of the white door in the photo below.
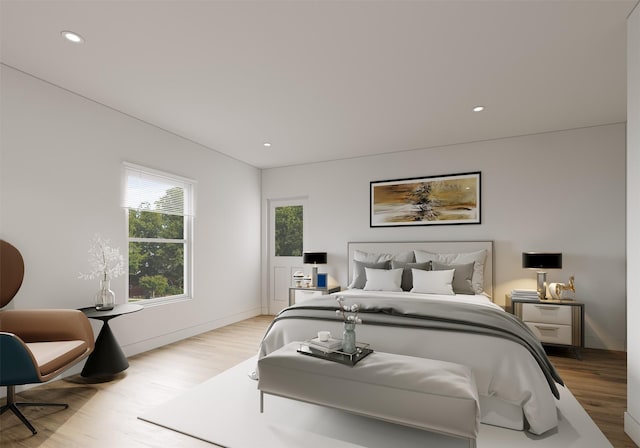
(286, 242)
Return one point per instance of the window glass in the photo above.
(288, 231)
(159, 234)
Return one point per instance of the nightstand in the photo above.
(554, 322)
(299, 294)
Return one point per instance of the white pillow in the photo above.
(478, 259)
(433, 282)
(383, 279)
(373, 257)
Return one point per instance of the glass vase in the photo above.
(105, 298)
(349, 338)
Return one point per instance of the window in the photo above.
(288, 227)
(159, 220)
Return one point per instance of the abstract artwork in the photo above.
(419, 201)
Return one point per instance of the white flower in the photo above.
(344, 309)
(105, 261)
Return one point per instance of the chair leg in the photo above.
(12, 405)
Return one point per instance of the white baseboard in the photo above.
(165, 339)
(632, 428)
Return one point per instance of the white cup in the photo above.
(324, 335)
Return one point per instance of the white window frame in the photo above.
(189, 196)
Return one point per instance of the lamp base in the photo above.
(542, 285)
(314, 276)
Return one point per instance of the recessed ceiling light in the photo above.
(266, 144)
(72, 37)
(478, 108)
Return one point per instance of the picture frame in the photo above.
(322, 280)
(423, 201)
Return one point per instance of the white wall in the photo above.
(632, 416)
(561, 191)
(61, 162)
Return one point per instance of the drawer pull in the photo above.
(548, 307)
(546, 328)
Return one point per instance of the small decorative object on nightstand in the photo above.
(322, 280)
(298, 277)
(561, 291)
(554, 322)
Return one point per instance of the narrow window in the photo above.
(288, 227)
(159, 218)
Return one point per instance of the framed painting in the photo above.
(423, 201)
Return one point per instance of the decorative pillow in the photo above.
(478, 258)
(383, 279)
(371, 257)
(360, 275)
(461, 277)
(433, 282)
(407, 277)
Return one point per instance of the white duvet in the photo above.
(503, 369)
(478, 299)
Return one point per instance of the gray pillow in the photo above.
(360, 277)
(407, 275)
(461, 277)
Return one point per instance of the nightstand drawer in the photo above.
(546, 313)
(299, 294)
(552, 334)
(302, 295)
(554, 322)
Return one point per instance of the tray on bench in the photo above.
(349, 359)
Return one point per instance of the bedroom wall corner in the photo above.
(632, 416)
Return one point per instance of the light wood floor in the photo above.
(105, 414)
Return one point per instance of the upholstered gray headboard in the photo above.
(439, 247)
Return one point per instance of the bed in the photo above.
(517, 384)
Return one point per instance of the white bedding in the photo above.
(503, 369)
(477, 299)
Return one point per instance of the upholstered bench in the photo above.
(428, 394)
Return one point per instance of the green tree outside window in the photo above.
(288, 231)
(156, 268)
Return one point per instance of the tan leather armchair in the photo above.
(35, 345)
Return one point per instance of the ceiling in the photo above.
(325, 80)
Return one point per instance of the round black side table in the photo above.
(107, 358)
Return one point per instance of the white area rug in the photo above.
(225, 411)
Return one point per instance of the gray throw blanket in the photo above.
(436, 315)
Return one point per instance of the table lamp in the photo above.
(314, 258)
(541, 261)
